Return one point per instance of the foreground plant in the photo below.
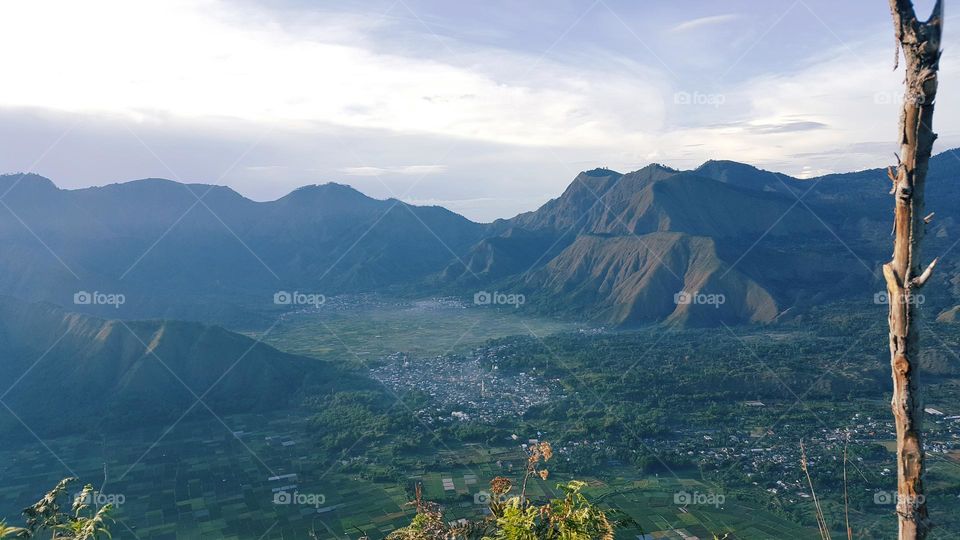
(571, 517)
(46, 517)
(7, 531)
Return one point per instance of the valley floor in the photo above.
(679, 434)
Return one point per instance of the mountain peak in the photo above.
(726, 165)
(329, 188)
(330, 193)
(658, 167)
(30, 182)
(600, 172)
(723, 162)
(746, 176)
(650, 173)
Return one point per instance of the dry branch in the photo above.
(920, 43)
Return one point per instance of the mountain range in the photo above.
(205, 252)
(723, 243)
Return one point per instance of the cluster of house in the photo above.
(465, 388)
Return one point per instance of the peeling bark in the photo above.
(920, 42)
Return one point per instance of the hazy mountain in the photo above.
(66, 372)
(749, 177)
(205, 252)
(612, 247)
(602, 249)
(765, 241)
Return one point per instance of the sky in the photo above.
(487, 108)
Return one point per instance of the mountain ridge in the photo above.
(160, 368)
(206, 252)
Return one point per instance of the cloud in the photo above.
(785, 126)
(245, 64)
(266, 167)
(701, 22)
(496, 129)
(407, 170)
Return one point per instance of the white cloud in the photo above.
(345, 100)
(204, 59)
(407, 170)
(811, 120)
(701, 22)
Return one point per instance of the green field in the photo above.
(201, 481)
(368, 332)
(648, 501)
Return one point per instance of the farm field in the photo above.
(203, 480)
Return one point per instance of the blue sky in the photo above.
(488, 108)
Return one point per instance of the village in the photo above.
(462, 389)
(472, 388)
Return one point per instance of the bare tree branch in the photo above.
(920, 43)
